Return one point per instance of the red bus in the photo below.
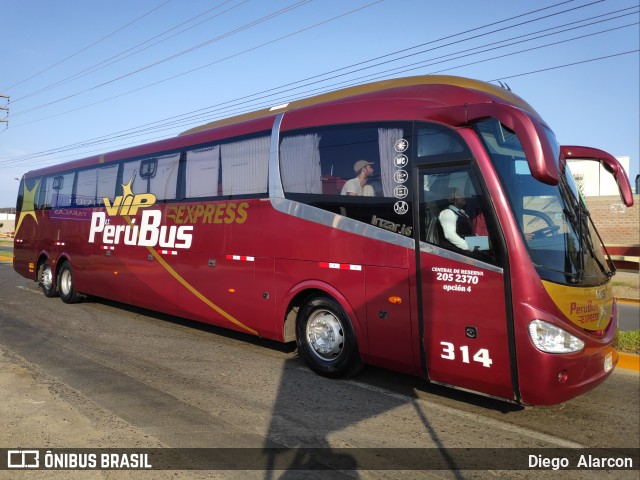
(428, 225)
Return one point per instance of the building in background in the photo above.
(593, 180)
(618, 225)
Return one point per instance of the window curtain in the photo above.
(387, 137)
(300, 164)
(203, 167)
(164, 183)
(245, 166)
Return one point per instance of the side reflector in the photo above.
(395, 300)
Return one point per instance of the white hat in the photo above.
(360, 164)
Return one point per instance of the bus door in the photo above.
(462, 285)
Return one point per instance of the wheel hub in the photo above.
(325, 335)
(46, 278)
(65, 282)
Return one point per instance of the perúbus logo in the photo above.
(148, 234)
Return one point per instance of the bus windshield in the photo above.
(562, 241)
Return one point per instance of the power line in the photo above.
(89, 46)
(531, 72)
(429, 62)
(4, 108)
(30, 158)
(174, 56)
(173, 121)
(190, 117)
(350, 12)
(367, 61)
(121, 56)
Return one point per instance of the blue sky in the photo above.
(90, 77)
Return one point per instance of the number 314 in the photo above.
(481, 356)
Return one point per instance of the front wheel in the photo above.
(66, 285)
(45, 280)
(326, 340)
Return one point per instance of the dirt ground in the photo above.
(36, 413)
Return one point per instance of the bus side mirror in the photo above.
(608, 161)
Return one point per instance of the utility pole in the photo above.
(5, 107)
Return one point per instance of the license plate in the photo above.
(608, 362)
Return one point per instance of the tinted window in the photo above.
(56, 191)
(158, 175)
(238, 167)
(360, 171)
(454, 214)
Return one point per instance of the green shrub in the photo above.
(629, 341)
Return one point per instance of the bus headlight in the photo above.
(551, 339)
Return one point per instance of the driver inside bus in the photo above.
(456, 224)
(358, 186)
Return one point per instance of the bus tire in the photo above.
(325, 339)
(45, 280)
(66, 285)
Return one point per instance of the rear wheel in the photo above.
(45, 280)
(326, 340)
(66, 285)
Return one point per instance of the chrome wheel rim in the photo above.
(325, 335)
(46, 278)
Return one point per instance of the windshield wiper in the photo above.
(608, 272)
(581, 241)
(575, 217)
(583, 217)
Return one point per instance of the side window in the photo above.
(86, 188)
(245, 166)
(59, 190)
(236, 168)
(300, 165)
(454, 213)
(359, 171)
(106, 183)
(433, 141)
(94, 184)
(44, 194)
(202, 172)
(158, 175)
(357, 161)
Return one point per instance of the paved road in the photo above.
(177, 383)
(629, 316)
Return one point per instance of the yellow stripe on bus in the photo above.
(193, 290)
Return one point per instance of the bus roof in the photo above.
(262, 119)
(450, 80)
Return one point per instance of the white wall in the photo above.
(596, 181)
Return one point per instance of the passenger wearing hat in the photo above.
(358, 186)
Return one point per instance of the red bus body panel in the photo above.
(248, 264)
